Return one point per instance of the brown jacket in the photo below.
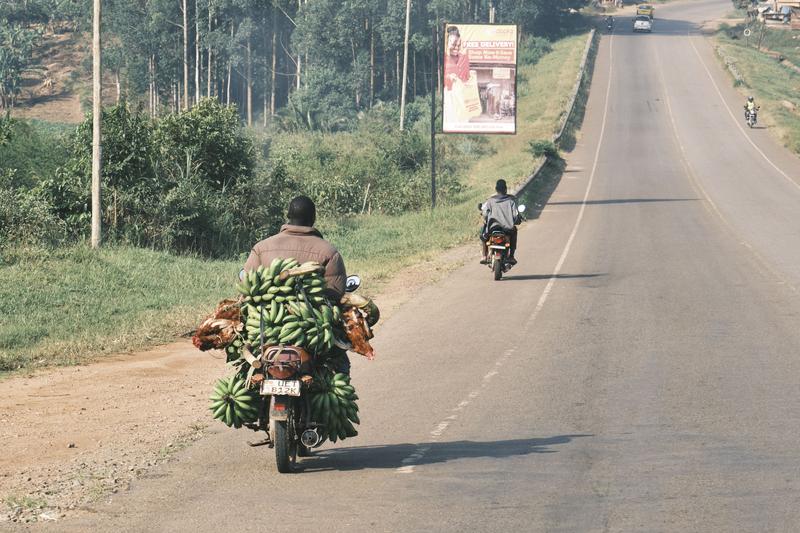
(304, 244)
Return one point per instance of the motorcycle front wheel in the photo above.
(285, 445)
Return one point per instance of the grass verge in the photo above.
(775, 86)
(73, 304)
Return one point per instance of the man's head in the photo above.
(302, 211)
(501, 187)
(453, 41)
(749, 98)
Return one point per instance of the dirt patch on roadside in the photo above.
(72, 436)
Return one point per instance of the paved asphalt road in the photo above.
(638, 371)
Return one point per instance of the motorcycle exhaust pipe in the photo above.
(310, 438)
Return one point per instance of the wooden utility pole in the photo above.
(434, 66)
(97, 112)
(405, 67)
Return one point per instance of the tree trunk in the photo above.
(371, 65)
(198, 61)
(415, 75)
(210, 53)
(397, 75)
(228, 85)
(249, 82)
(265, 96)
(118, 85)
(385, 85)
(274, 61)
(404, 83)
(299, 69)
(355, 66)
(230, 68)
(156, 99)
(184, 6)
(150, 85)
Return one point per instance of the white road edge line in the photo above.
(735, 120)
(410, 462)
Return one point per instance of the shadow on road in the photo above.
(524, 277)
(392, 455)
(627, 201)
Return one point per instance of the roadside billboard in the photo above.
(480, 79)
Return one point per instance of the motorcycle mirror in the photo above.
(522, 208)
(352, 283)
(480, 206)
(241, 275)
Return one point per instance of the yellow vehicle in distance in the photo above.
(646, 9)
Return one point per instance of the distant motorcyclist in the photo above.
(610, 22)
(500, 212)
(749, 107)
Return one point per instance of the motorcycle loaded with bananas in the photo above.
(286, 343)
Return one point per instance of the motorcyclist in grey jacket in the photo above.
(500, 211)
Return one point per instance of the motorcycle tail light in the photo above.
(498, 239)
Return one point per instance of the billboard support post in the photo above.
(434, 69)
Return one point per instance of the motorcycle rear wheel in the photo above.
(498, 269)
(285, 446)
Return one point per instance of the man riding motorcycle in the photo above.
(500, 211)
(301, 241)
(749, 107)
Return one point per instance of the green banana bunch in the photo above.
(286, 301)
(333, 404)
(264, 283)
(234, 350)
(233, 403)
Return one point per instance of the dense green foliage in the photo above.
(170, 184)
(196, 182)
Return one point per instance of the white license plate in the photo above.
(278, 387)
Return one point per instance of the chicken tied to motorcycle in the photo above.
(286, 344)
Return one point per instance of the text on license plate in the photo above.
(278, 387)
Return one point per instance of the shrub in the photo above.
(25, 216)
(211, 136)
(542, 147)
(532, 49)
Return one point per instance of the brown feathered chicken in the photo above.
(219, 330)
(358, 332)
